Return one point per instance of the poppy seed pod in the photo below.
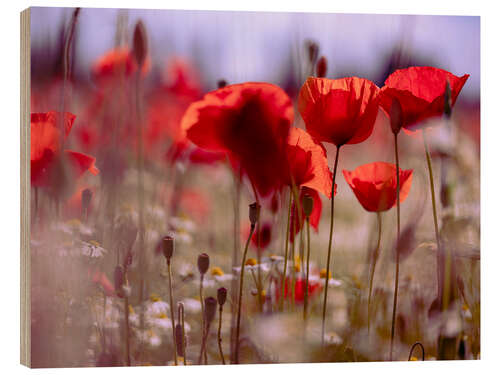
(179, 340)
(254, 213)
(210, 309)
(167, 246)
(221, 83)
(119, 280)
(221, 295)
(396, 116)
(203, 263)
(140, 46)
(321, 67)
(307, 204)
(313, 51)
(447, 100)
(86, 198)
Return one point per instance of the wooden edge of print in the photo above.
(25, 349)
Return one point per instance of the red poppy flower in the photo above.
(314, 289)
(375, 184)
(339, 111)
(102, 280)
(421, 93)
(117, 63)
(249, 121)
(49, 164)
(295, 223)
(265, 233)
(308, 162)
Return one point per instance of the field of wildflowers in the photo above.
(324, 219)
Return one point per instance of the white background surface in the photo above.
(490, 181)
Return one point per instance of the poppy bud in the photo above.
(313, 50)
(321, 67)
(167, 246)
(140, 46)
(221, 296)
(210, 309)
(86, 198)
(447, 100)
(128, 259)
(179, 340)
(203, 263)
(396, 116)
(119, 280)
(307, 204)
(221, 83)
(254, 213)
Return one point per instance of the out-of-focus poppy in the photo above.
(314, 288)
(115, 64)
(50, 165)
(265, 234)
(102, 280)
(339, 111)
(308, 163)
(297, 221)
(421, 93)
(249, 121)
(375, 185)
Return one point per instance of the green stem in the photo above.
(171, 295)
(306, 295)
(374, 264)
(219, 336)
(127, 333)
(203, 328)
(180, 315)
(441, 293)
(396, 282)
(282, 297)
(240, 295)
(330, 240)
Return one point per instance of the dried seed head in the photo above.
(447, 100)
(307, 204)
(221, 83)
(203, 263)
(221, 296)
(396, 116)
(140, 46)
(210, 309)
(254, 213)
(321, 67)
(312, 51)
(86, 198)
(179, 340)
(119, 280)
(167, 246)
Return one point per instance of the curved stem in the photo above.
(441, 293)
(204, 345)
(240, 295)
(171, 296)
(282, 296)
(332, 210)
(306, 295)
(374, 264)
(396, 281)
(219, 336)
(413, 348)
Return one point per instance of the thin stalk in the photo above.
(282, 297)
(396, 281)
(240, 294)
(180, 315)
(332, 210)
(203, 328)
(219, 336)
(171, 295)
(375, 259)
(306, 295)
(127, 332)
(444, 294)
(413, 348)
(204, 344)
(292, 288)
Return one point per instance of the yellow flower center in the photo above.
(322, 274)
(251, 262)
(217, 271)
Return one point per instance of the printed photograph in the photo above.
(221, 187)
